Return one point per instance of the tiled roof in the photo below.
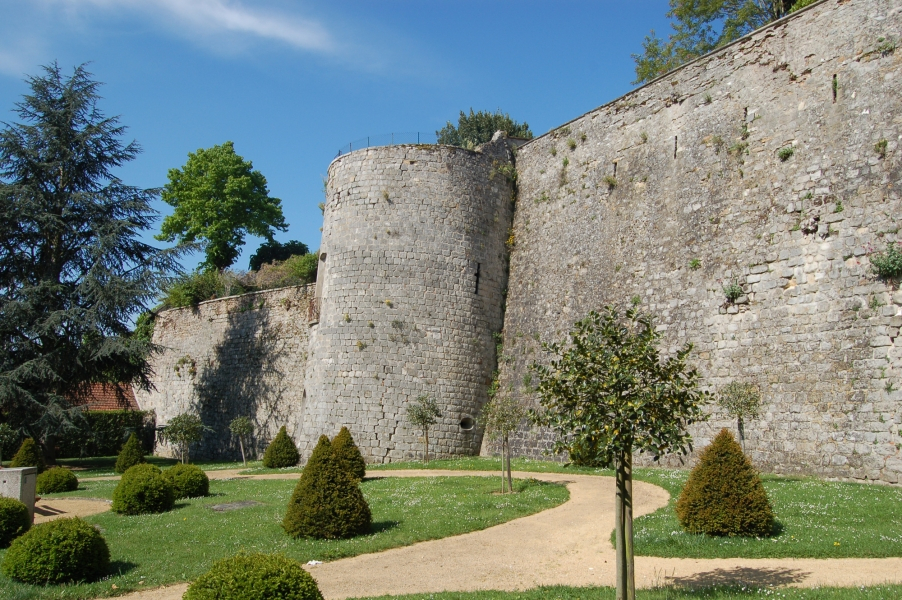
(108, 396)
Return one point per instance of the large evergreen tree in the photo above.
(73, 270)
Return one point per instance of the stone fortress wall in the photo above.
(242, 355)
(408, 297)
(756, 165)
(411, 292)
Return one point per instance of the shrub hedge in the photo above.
(104, 432)
(281, 452)
(254, 577)
(327, 502)
(724, 495)
(56, 480)
(131, 454)
(29, 455)
(348, 454)
(58, 552)
(14, 520)
(188, 481)
(143, 489)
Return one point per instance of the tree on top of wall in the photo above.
(218, 199)
(700, 26)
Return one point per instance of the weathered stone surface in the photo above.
(238, 356)
(411, 293)
(698, 178)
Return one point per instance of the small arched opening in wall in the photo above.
(467, 423)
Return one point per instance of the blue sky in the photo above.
(290, 82)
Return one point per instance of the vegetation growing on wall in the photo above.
(479, 127)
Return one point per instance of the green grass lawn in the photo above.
(153, 550)
(882, 592)
(104, 466)
(816, 519)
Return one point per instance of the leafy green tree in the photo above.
(182, 431)
(423, 414)
(73, 269)
(218, 199)
(742, 400)
(479, 127)
(132, 454)
(273, 250)
(502, 416)
(29, 455)
(348, 455)
(700, 26)
(241, 428)
(607, 394)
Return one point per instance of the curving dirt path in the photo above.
(566, 545)
(48, 509)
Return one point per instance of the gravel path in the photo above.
(566, 545)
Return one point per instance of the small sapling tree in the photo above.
(241, 427)
(182, 431)
(502, 416)
(742, 400)
(423, 414)
(608, 393)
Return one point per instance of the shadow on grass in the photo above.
(121, 567)
(762, 576)
(380, 526)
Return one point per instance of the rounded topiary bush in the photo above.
(188, 481)
(55, 480)
(143, 489)
(348, 454)
(57, 552)
(724, 494)
(29, 455)
(14, 520)
(327, 502)
(281, 452)
(132, 454)
(254, 577)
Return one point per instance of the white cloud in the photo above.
(214, 17)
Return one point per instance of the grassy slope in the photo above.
(154, 550)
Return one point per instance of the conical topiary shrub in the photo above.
(724, 495)
(132, 454)
(348, 454)
(29, 455)
(281, 452)
(327, 502)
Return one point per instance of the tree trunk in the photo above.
(503, 478)
(510, 481)
(243, 459)
(49, 449)
(626, 576)
(426, 441)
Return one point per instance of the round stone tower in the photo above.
(410, 291)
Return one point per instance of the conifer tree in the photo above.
(132, 454)
(327, 502)
(348, 454)
(73, 266)
(724, 495)
(29, 455)
(281, 452)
